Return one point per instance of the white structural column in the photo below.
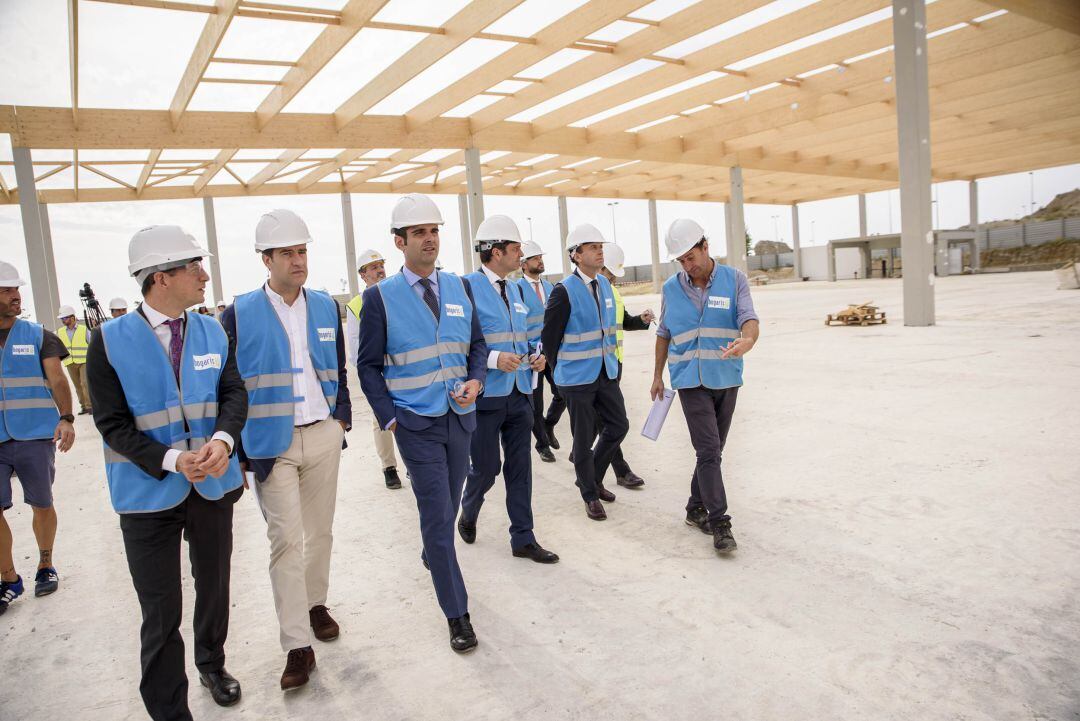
(736, 222)
(913, 131)
(350, 244)
(212, 246)
(50, 259)
(475, 187)
(564, 230)
(864, 253)
(466, 244)
(42, 272)
(973, 210)
(654, 246)
(795, 240)
(862, 215)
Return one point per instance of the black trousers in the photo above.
(599, 402)
(708, 415)
(618, 463)
(152, 544)
(554, 411)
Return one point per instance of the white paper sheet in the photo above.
(657, 415)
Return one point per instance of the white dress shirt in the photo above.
(305, 385)
(164, 335)
(493, 356)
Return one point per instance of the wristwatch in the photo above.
(68, 417)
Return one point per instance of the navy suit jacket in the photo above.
(372, 349)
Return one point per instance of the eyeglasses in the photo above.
(193, 267)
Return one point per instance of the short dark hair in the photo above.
(485, 255)
(148, 282)
(268, 253)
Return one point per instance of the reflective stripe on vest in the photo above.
(76, 345)
(504, 331)
(179, 416)
(535, 319)
(698, 337)
(619, 311)
(264, 358)
(425, 358)
(27, 409)
(587, 349)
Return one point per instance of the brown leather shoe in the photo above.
(605, 495)
(298, 668)
(595, 510)
(325, 628)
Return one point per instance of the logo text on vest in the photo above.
(205, 362)
(455, 311)
(719, 301)
(327, 335)
(22, 350)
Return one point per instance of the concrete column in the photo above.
(476, 190)
(830, 258)
(350, 244)
(212, 246)
(913, 132)
(654, 245)
(973, 212)
(736, 237)
(564, 230)
(50, 259)
(862, 215)
(795, 240)
(466, 244)
(42, 272)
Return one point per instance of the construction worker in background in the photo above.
(220, 309)
(422, 362)
(372, 270)
(504, 412)
(579, 336)
(169, 404)
(707, 324)
(536, 291)
(73, 335)
(118, 307)
(291, 354)
(614, 267)
(35, 420)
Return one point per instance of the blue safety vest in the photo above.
(264, 358)
(536, 308)
(180, 416)
(424, 359)
(585, 349)
(698, 337)
(27, 409)
(503, 331)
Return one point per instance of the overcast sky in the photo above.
(133, 58)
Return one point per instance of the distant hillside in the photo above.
(1065, 205)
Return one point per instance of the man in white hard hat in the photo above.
(291, 354)
(220, 310)
(422, 362)
(118, 307)
(579, 337)
(169, 404)
(372, 270)
(74, 336)
(707, 325)
(35, 420)
(536, 290)
(504, 413)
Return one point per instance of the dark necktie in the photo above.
(176, 344)
(502, 292)
(429, 297)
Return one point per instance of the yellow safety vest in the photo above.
(76, 346)
(618, 322)
(355, 305)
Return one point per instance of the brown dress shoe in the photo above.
(605, 495)
(325, 628)
(595, 510)
(298, 668)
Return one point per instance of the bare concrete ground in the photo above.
(905, 501)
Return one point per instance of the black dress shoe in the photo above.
(462, 636)
(630, 480)
(552, 440)
(723, 541)
(467, 530)
(605, 495)
(595, 510)
(546, 455)
(223, 687)
(391, 477)
(537, 553)
(699, 517)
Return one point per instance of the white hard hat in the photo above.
(65, 311)
(581, 234)
(161, 245)
(414, 209)
(118, 304)
(9, 277)
(496, 229)
(280, 229)
(530, 249)
(615, 259)
(682, 235)
(367, 257)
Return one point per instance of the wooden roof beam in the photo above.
(209, 39)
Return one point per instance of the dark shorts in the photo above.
(32, 462)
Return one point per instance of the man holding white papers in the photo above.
(707, 324)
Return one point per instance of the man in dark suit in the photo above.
(422, 363)
(170, 404)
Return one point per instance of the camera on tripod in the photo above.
(92, 313)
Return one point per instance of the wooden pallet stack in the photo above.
(861, 314)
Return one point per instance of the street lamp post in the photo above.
(614, 233)
(813, 238)
(1031, 177)
(530, 229)
(776, 228)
